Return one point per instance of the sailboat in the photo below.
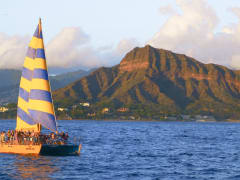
(35, 104)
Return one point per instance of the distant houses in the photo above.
(122, 109)
(186, 117)
(170, 118)
(85, 104)
(98, 111)
(91, 114)
(105, 110)
(62, 109)
(74, 106)
(3, 109)
(200, 118)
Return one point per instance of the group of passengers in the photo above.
(32, 138)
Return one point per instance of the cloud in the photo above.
(69, 49)
(236, 11)
(190, 29)
(167, 10)
(235, 61)
(193, 32)
(12, 50)
(72, 48)
(125, 46)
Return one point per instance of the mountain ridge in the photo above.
(10, 79)
(162, 80)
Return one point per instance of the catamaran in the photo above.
(35, 104)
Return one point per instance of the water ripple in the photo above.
(136, 150)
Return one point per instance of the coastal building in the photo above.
(201, 118)
(132, 118)
(91, 114)
(85, 104)
(123, 109)
(186, 117)
(3, 109)
(74, 106)
(62, 109)
(170, 118)
(105, 110)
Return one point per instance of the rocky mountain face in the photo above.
(163, 81)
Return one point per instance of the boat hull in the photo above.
(60, 150)
(45, 149)
(20, 149)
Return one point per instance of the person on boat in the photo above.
(5, 138)
(24, 134)
(8, 135)
(19, 137)
(52, 136)
(35, 138)
(2, 137)
(44, 139)
(65, 136)
(11, 136)
(15, 137)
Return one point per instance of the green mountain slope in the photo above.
(62, 80)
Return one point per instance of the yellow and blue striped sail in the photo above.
(35, 104)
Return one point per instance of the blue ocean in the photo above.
(136, 150)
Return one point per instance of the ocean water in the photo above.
(136, 150)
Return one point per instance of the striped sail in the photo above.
(35, 106)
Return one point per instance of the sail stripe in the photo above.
(40, 105)
(40, 63)
(37, 34)
(35, 53)
(37, 63)
(29, 63)
(36, 43)
(23, 94)
(23, 104)
(23, 126)
(40, 95)
(40, 74)
(40, 53)
(24, 116)
(27, 74)
(25, 84)
(31, 52)
(40, 84)
(44, 118)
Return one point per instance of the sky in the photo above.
(82, 34)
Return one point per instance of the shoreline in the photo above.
(146, 120)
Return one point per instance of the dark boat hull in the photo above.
(60, 150)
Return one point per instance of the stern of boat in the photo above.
(60, 150)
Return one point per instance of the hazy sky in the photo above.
(95, 33)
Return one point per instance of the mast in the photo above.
(40, 27)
